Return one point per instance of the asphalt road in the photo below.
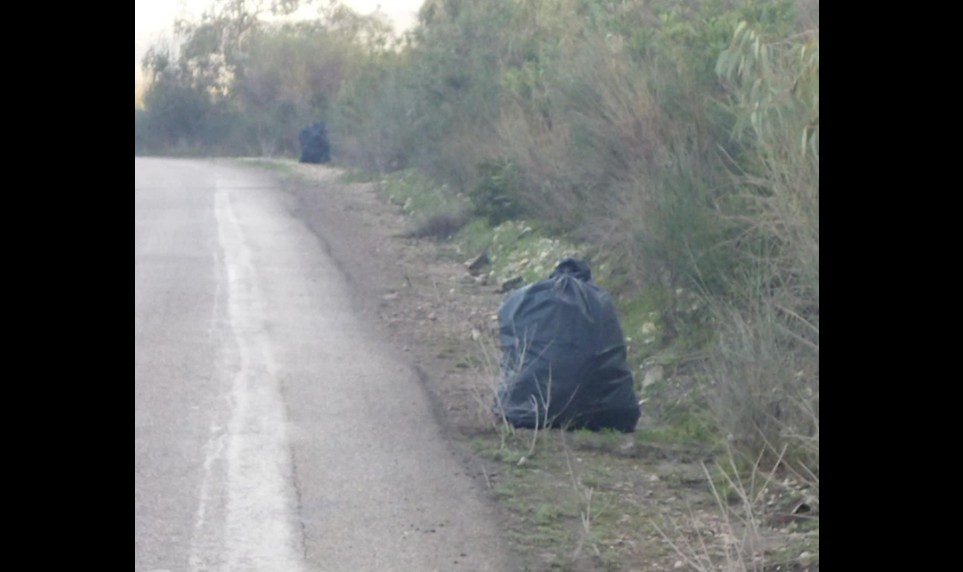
(274, 430)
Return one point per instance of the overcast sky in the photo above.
(155, 18)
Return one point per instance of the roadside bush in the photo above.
(495, 195)
(141, 141)
(436, 211)
(372, 127)
(765, 362)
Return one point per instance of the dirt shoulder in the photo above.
(430, 308)
(567, 501)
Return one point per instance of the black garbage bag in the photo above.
(563, 356)
(314, 144)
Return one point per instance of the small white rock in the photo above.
(653, 375)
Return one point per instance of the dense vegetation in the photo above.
(678, 140)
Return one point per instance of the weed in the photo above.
(545, 514)
(493, 196)
(739, 542)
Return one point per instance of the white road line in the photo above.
(213, 449)
(260, 530)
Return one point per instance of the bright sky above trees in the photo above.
(153, 19)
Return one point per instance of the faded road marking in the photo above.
(259, 529)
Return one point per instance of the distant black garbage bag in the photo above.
(563, 356)
(314, 144)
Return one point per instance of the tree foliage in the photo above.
(247, 84)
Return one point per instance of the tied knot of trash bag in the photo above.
(574, 268)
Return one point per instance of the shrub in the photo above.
(442, 225)
(494, 196)
(766, 359)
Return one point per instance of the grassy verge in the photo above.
(576, 500)
(286, 168)
(436, 211)
(661, 326)
(585, 500)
